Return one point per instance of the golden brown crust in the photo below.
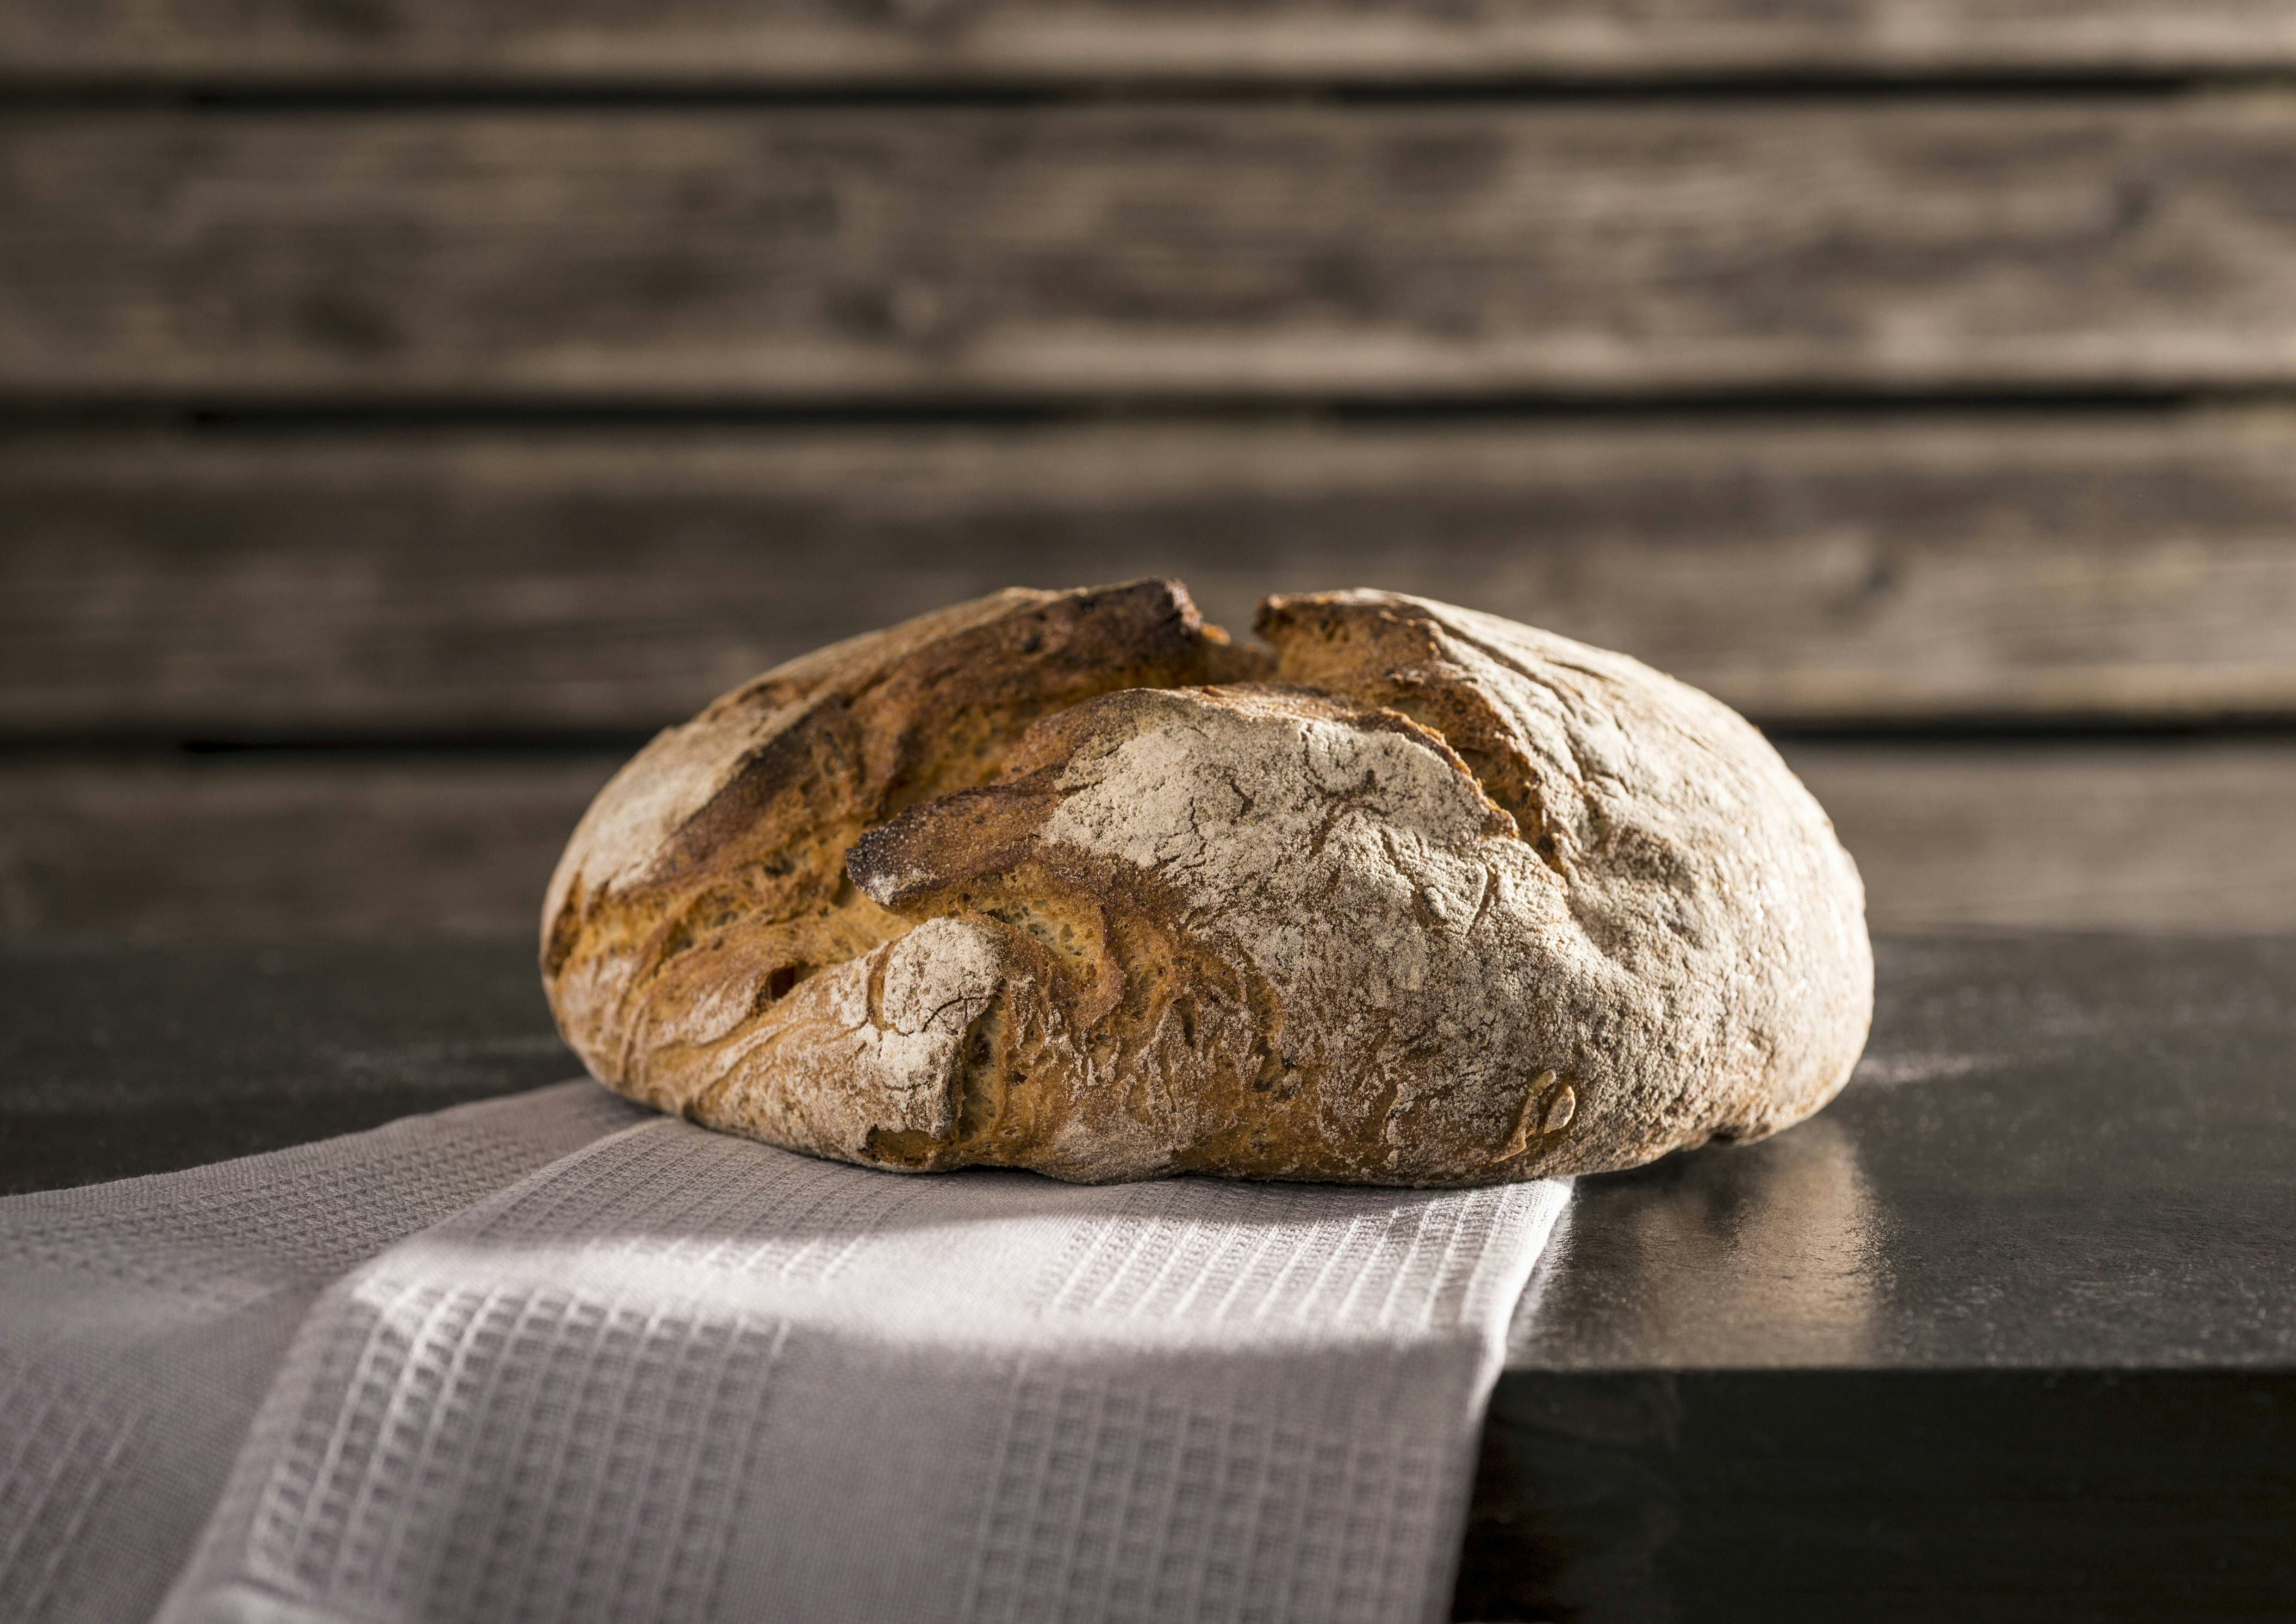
(1028, 883)
(707, 881)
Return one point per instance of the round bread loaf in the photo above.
(1064, 881)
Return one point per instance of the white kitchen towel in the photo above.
(679, 1376)
(141, 1322)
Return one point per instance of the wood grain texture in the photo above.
(723, 254)
(248, 848)
(2189, 836)
(962, 42)
(2129, 837)
(214, 585)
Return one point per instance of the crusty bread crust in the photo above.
(1064, 882)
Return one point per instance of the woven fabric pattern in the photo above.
(681, 1377)
(145, 1319)
(61, 1433)
(515, 1453)
(1114, 1503)
(554, 1358)
(1349, 1257)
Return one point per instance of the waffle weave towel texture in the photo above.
(550, 1359)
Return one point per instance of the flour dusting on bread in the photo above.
(1068, 881)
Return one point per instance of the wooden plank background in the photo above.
(723, 254)
(712, 43)
(445, 395)
(1807, 571)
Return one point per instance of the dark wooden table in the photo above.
(2008, 1332)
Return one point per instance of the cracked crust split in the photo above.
(1065, 880)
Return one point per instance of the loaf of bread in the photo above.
(1066, 880)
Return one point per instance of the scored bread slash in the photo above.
(1068, 882)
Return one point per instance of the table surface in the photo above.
(2060, 1152)
(2008, 1332)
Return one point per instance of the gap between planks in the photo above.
(716, 44)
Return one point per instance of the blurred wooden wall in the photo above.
(409, 404)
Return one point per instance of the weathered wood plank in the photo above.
(2166, 836)
(967, 42)
(221, 585)
(732, 254)
(248, 848)
(2150, 838)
